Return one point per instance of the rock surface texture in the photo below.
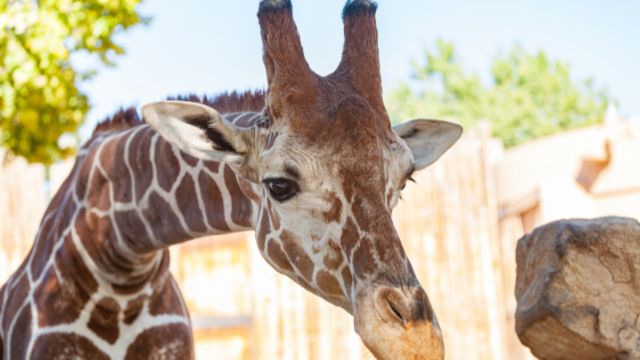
(578, 290)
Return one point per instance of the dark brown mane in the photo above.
(227, 102)
(230, 102)
(123, 119)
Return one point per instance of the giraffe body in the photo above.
(313, 165)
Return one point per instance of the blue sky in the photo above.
(208, 46)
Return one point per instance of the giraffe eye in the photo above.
(282, 189)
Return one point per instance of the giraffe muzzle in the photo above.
(398, 323)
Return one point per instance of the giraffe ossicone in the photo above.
(313, 166)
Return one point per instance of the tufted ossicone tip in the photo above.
(354, 7)
(273, 5)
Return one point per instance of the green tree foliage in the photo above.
(529, 95)
(39, 96)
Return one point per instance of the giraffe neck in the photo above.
(136, 195)
(96, 281)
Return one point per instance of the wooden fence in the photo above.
(242, 309)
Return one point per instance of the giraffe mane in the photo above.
(230, 102)
(227, 102)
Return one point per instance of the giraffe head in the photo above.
(329, 168)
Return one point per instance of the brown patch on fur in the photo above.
(57, 303)
(61, 302)
(100, 195)
(335, 212)
(21, 334)
(167, 226)
(188, 205)
(350, 237)
(297, 255)
(278, 257)
(213, 166)
(362, 214)
(78, 182)
(328, 284)
(213, 204)
(100, 241)
(241, 206)
(363, 260)
(50, 231)
(52, 346)
(263, 230)
(133, 231)
(16, 298)
(172, 341)
(135, 284)
(302, 282)
(140, 161)
(167, 165)
(333, 260)
(104, 320)
(190, 160)
(134, 308)
(165, 301)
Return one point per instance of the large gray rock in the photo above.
(578, 290)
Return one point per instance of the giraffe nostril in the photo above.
(403, 306)
(392, 306)
(395, 312)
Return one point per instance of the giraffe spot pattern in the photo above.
(297, 255)
(191, 213)
(333, 259)
(328, 284)
(165, 301)
(140, 162)
(214, 206)
(100, 195)
(21, 334)
(16, 298)
(65, 346)
(166, 226)
(58, 303)
(335, 211)
(168, 342)
(131, 227)
(241, 207)
(363, 259)
(278, 257)
(104, 320)
(350, 237)
(168, 165)
(133, 309)
(110, 159)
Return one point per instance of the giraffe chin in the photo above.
(391, 338)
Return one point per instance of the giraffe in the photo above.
(313, 166)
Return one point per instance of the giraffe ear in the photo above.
(198, 130)
(428, 139)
